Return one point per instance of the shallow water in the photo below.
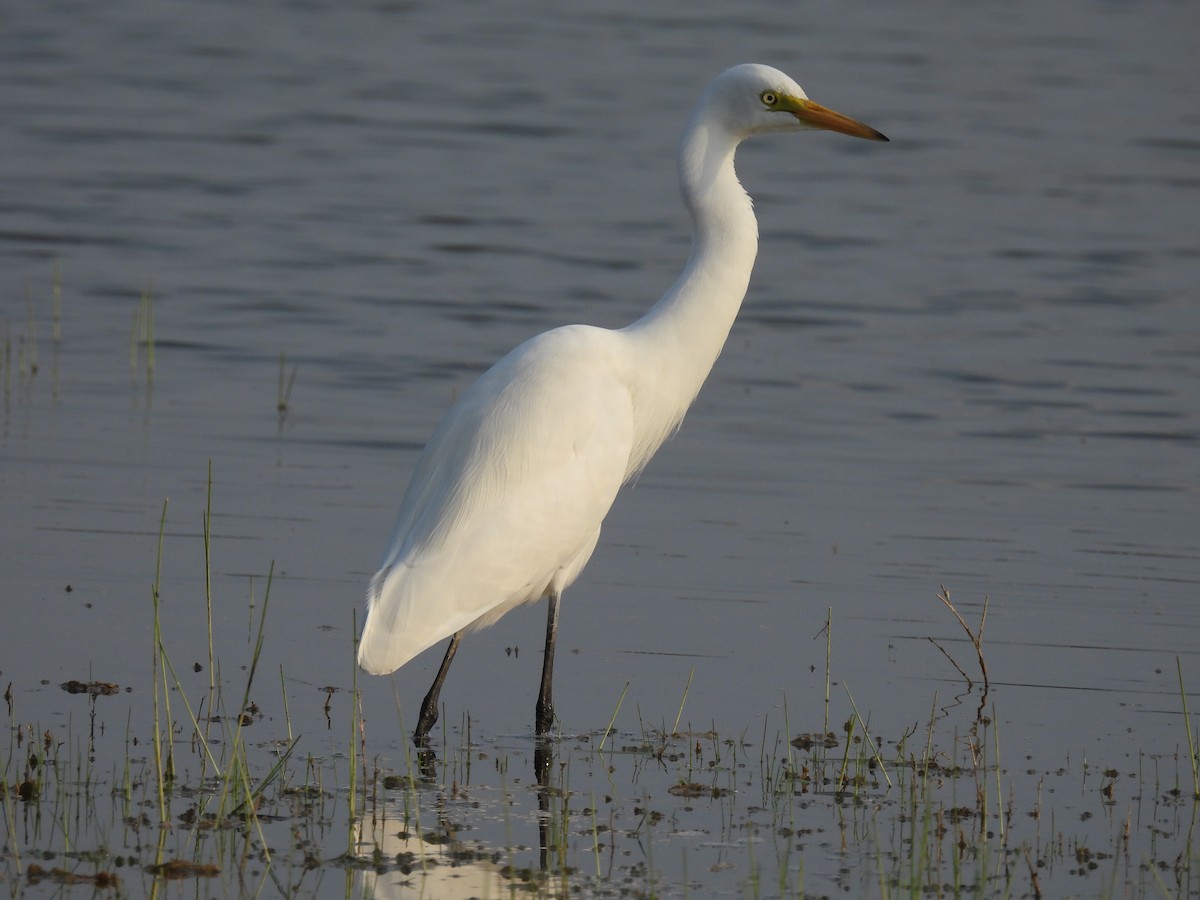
(968, 358)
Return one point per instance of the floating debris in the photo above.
(693, 789)
(92, 688)
(828, 740)
(36, 873)
(181, 868)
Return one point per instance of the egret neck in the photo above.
(679, 339)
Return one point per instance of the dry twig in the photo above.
(976, 637)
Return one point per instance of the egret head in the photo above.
(752, 98)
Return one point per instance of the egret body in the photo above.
(506, 501)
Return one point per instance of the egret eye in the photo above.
(769, 98)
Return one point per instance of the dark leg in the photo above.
(429, 707)
(545, 704)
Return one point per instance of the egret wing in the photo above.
(508, 496)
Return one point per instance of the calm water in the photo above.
(968, 358)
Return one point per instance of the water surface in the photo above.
(968, 358)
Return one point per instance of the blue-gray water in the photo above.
(969, 357)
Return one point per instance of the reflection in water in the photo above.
(550, 839)
(426, 868)
(413, 859)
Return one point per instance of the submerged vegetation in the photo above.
(935, 811)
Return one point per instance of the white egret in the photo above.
(506, 501)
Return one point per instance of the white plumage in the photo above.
(505, 504)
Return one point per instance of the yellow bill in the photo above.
(815, 115)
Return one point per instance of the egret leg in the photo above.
(429, 706)
(545, 704)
